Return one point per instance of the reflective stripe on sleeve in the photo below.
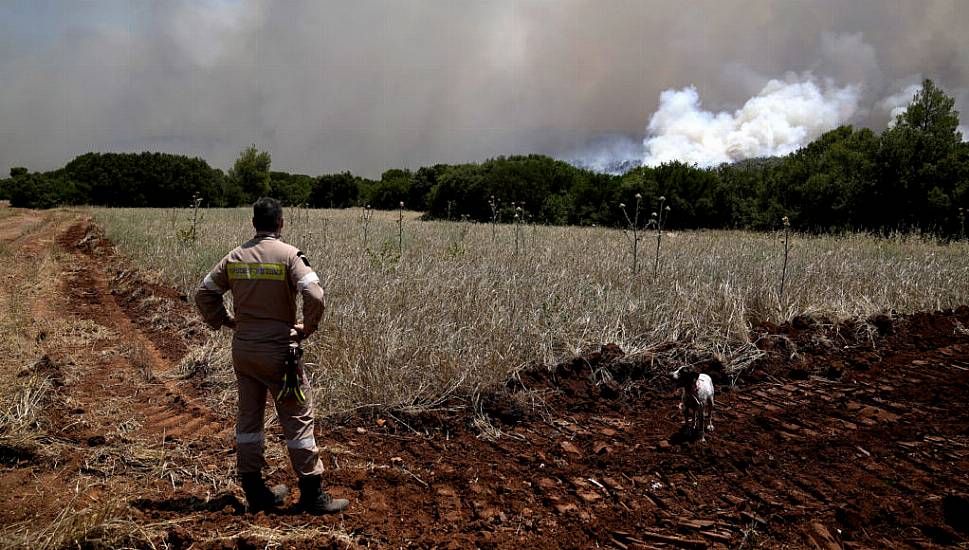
(210, 284)
(307, 280)
(251, 437)
(305, 443)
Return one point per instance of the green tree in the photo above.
(335, 191)
(392, 189)
(916, 180)
(932, 117)
(44, 190)
(7, 184)
(251, 173)
(291, 189)
(143, 179)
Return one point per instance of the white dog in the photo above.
(697, 400)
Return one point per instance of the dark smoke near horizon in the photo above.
(367, 85)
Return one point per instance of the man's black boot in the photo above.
(314, 500)
(259, 497)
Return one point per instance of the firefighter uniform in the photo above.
(264, 275)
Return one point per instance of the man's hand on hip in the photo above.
(297, 333)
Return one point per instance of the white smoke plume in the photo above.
(611, 155)
(896, 103)
(784, 116)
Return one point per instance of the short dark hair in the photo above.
(266, 213)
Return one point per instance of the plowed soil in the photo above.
(851, 435)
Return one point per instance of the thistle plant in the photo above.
(787, 249)
(659, 218)
(518, 229)
(495, 214)
(962, 223)
(400, 229)
(365, 217)
(196, 218)
(191, 234)
(632, 232)
(457, 234)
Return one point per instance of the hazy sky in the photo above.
(365, 85)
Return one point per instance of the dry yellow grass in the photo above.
(460, 311)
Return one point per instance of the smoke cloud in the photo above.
(783, 117)
(896, 103)
(327, 86)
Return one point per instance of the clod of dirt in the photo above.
(803, 322)
(503, 409)
(192, 504)
(93, 240)
(12, 455)
(835, 370)
(179, 537)
(849, 518)
(45, 366)
(883, 323)
(955, 509)
(610, 389)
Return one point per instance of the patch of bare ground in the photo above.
(103, 415)
(838, 435)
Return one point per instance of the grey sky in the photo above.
(366, 85)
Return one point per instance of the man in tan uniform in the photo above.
(264, 275)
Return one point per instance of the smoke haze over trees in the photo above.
(363, 86)
(914, 175)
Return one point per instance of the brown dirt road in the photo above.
(838, 438)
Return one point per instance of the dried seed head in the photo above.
(662, 198)
(638, 196)
(667, 208)
(787, 221)
(401, 204)
(653, 214)
(622, 205)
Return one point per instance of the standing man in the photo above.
(264, 275)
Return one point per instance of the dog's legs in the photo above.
(701, 412)
(710, 406)
(689, 418)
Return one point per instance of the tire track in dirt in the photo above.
(116, 422)
(167, 407)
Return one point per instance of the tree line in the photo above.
(912, 176)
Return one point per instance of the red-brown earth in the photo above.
(842, 435)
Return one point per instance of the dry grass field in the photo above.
(460, 306)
